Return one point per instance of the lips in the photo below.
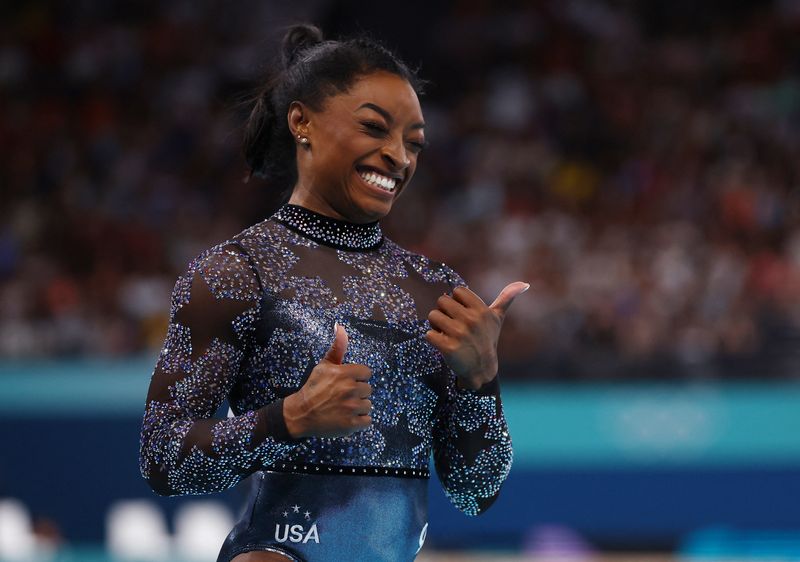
(381, 180)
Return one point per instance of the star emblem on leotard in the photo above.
(400, 441)
(296, 509)
(331, 277)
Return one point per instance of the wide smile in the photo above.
(378, 182)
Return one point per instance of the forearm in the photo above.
(473, 455)
(210, 455)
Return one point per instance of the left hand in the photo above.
(466, 331)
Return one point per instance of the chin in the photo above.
(368, 208)
(374, 210)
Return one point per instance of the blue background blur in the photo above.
(627, 465)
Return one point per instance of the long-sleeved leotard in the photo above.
(249, 321)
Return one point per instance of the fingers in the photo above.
(466, 297)
(337, 351)
(507, 296)
(338, 402)
(339, 346)
(360, 423)
(450, 306)
(444, 323)
(440, 341)
(362, 390)
(357, 372)
(364, 407)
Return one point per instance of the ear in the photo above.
(297, 119)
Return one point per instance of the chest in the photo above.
(292, 337)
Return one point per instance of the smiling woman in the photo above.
(347, 360)
(361, 149)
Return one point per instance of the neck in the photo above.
(308, 199)
(313, 202)
(329, 231)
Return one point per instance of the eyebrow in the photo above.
(386, 115)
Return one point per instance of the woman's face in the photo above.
(362, 151)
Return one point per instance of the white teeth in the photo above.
(387, 184)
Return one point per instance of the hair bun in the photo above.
(298, 39)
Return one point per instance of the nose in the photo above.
(395, 156)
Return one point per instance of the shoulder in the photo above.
(217, 295)
(226, 269)
(238, 254)
(431, 270)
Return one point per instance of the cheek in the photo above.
(412, 168)
(346, 148)
(335, 142)
(337, 152)
(336, 134)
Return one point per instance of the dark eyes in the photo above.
(417, 147)
(375, 127)
(379, 131)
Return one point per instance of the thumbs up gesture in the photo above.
(466, 331)
(334, 401)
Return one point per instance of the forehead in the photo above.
(389, 91)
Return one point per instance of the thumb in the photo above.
(507, 296)
(339, 346)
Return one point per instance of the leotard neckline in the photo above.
(325, 230)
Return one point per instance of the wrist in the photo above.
(462, 384)
(293, 415)
(479, 386)
(476, 381)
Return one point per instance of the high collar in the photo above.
(328, 231)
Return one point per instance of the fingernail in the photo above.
(527, 286)
(335, 327)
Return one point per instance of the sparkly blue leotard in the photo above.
(249, 321)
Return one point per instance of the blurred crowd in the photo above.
(637, 163)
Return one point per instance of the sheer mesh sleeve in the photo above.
(184, 450)
(471, 444)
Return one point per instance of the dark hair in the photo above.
(312, 70)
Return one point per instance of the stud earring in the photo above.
(302, 139)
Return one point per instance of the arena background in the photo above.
(636, 162)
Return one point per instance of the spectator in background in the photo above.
(643, 176)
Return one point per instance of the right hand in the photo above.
(334, 401)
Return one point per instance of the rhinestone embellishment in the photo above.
(329, 231)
